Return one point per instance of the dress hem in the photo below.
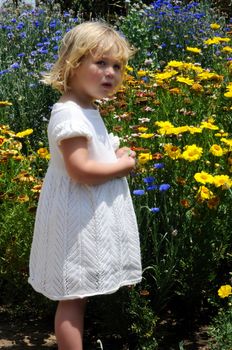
(78, 296)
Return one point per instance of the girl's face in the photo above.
(96, 77)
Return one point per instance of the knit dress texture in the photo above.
(86, 239)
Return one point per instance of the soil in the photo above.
(19, 334)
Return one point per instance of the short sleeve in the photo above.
(69, 129)
(114, 140)
(67, 122)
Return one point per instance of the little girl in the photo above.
(86, 239)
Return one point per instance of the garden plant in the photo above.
(174, 110)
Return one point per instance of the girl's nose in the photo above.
(110, 71)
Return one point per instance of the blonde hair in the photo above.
(94, 38)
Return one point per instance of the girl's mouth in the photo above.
(107, 85)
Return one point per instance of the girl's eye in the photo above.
(101, 63)
(117, 66)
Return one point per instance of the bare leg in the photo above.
(69, 324)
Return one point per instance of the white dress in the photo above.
(86, 239)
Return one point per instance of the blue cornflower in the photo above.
(145, 79)
(138, 192)
(48, 65)
(56, 38)
(159, 165)
(10, 35)
(152, 187)
(39, 44)
(164, 187)
(13, 20)
(33, 53)
(154, 210)
(55, 57)
(4, 71)
(52, 24)
(149, 179)
(23, 35)
(22, 54)
(36, 23)
(55, 48)
(67, 14)
(20, 25)
(15, 65)
(43, 50)
(46, 43)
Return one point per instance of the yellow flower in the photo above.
(172, 151)
(43, 153)
(221, 133)
(23, 198)
(129, 68)
(197, 87)
(227, 49)
(216, 40)
(165, 124)
(175, 64)
(146, 136)
(216, 150)
(23, 176)
(143, 158)
(204, 193)
(185, 80)
(215, 26)
(165, 127)
(208, 125)
(209, 76)
(142, 129)
(192, 153)
(228, 142)
(228, 94)
(36, 188)
(222, 181)
(203, 177)
(194, 130)
(24, 133)
(165, 75)
(2, 140)
(229, 90)
(142, 73)
(5, 103)
(193, 49)
(225, 291)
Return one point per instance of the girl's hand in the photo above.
(127, 163)
(125, 151)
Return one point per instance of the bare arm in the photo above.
(90, 172)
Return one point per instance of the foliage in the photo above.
(221, 329)
(163, 30)
(174, 110)
(20, 183)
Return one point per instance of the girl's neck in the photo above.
(69, 96)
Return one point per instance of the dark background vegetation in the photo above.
(108, 9)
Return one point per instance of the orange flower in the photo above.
(23, 198)
(2, 140)
(23, 176)
(36, 188)
(185, 203)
